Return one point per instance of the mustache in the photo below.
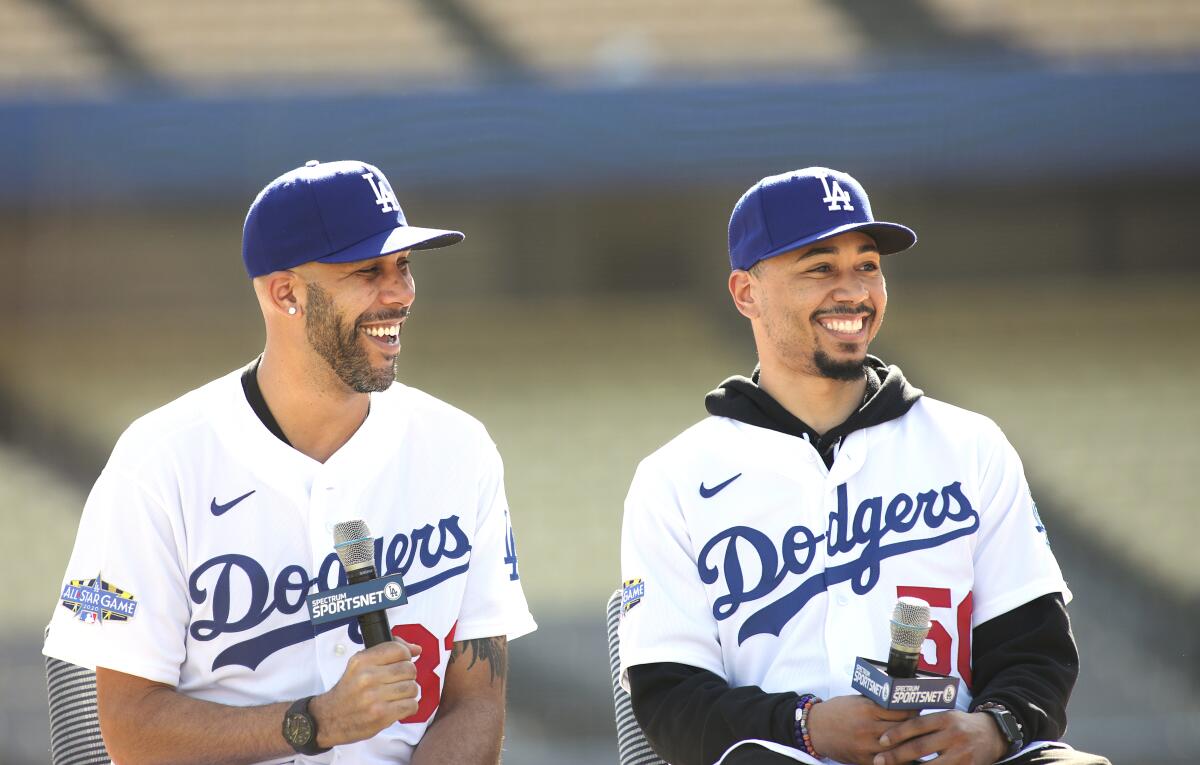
(369, 318)
(846, 310)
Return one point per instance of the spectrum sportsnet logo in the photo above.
(914, 694)
(356, 599)
(880, 690)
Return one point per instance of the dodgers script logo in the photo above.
(863, 532)
(287, 594)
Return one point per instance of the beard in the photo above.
(340, 346)
(846, 371)
(801, 353)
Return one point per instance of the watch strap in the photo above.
(1010, 727)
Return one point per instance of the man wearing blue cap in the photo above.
(764, 548)
(213, 521)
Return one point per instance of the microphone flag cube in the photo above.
(356, 599)
(925, 691)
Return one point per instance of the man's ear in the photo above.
(280, 292)
(744, 288)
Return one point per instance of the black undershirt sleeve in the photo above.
(691, 716)
(1025, 659)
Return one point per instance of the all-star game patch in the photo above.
(95, 600)
(632, 592)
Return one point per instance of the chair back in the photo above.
(74, 720)
(632, 746)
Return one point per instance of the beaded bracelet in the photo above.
(803, 738)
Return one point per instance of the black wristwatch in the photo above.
(1010, 726)
(300, 729)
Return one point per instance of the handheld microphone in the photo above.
(902, 686)
(910, 624)
(355, 547)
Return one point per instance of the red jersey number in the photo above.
(944, 653)
(427, 664)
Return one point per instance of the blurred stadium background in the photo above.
(1047, 151)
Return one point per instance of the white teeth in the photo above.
(847, 325)
(383, 331)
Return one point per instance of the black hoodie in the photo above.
(888, 396)
(1024, 659)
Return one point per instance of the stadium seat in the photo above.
(648, 39)
(1083, 28)
(310, 42)
(38, 51)
(632, 746)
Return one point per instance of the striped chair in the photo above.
(74, 721)
(632, 747)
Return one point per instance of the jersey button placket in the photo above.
(331, 646)
(835, 601)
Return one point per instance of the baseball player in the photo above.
(764, 548)
(213, 520)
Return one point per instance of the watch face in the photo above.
(297, 729)
(1009, 724)
(1009, 728)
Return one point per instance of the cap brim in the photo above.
(395, 240)
(890, 238)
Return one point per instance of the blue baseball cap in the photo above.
(783, 212)
(330, 212)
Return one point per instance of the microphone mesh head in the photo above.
(910, 624)
(354, 545)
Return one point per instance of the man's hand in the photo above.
(377, 689)
(959, 738)
(847, 728)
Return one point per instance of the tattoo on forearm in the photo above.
(493, 650)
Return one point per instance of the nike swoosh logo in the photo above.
(706, 493)
(222, 509)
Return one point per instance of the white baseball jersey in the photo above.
(205, 532)
(745, 556)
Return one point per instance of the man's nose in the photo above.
(851, 288)
(398, 287)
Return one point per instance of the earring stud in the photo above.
(291, 310)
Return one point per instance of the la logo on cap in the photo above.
(322, 212)
(384, 196)
(836, 197)
(789, 210)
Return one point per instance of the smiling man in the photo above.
(213, 520)
(764, 548)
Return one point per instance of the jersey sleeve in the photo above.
(123, 603)
(665, 614)
(1013, 560)
(494, 602)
